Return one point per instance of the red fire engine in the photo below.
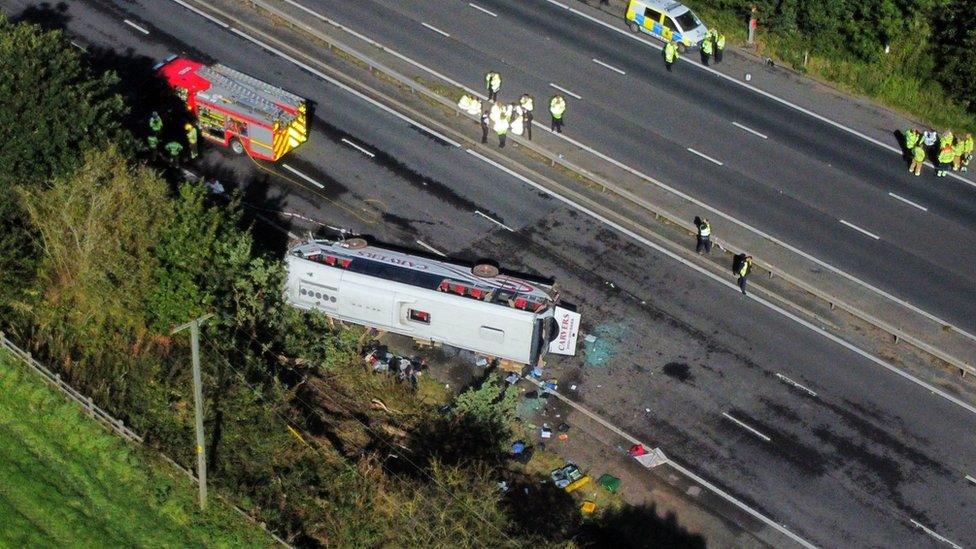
(237, 110)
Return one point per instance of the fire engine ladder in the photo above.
(262, 88)
(241, 93)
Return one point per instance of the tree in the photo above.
(955, 36)
(52, 108)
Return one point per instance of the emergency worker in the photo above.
(670, 54)
(526, 103)
(191, 139)
(501, 125)
(469, 104)
(704, 244)
(912, 137)
(742, 270)
(493, 83)
(967, 151)
(706, 49)
(958, 149)
(918, 159)
(557, 107)
(719, 45)
(153, 142)
(173, 148)
(485, 126)
(155, 123)
(945, 158)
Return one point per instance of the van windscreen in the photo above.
(688, 21)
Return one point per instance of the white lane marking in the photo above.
(909, 202)
(732, 285)
(856, 228)
(789, 381)
(564, 90)
(703, 155)
(611, 67)
(358, 148)
(481, 9)
(303, 176)
(435, 29)
(203, 14)
(621, 165)
(79, 46)
(970, 478)
(137, 27)
(616, 226)
(431, 248)
(746, 427)
(748, 129)
(493, 220)
(738, 82)
(935, 535)
(340, 85)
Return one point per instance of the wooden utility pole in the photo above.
(194, 326)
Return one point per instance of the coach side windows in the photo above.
(419, 316)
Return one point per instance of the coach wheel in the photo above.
(485, 270)
(355, 243)
(237, 146)
(634, 26)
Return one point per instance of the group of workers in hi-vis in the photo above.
(503, 117)
(947, 151)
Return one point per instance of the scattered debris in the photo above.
(545, 431)
(482, 361)
(609, 483)
(563, 437)
(513, 378)
(563, 427)
(587, 507)
(637, 450)
(572, 387)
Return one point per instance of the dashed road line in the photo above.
(936, 535)
(856, 228)
(137, 27)
(909, 202)
(750, 130)
(564, 90)
(79, 46)
(746, 427)
(358, 148)
(971, 479)
(611, 67)
(481, 9)
(705, 156)
(431, 248)
(435, 29)
(303, 176)
(789, 381)
(495, 221)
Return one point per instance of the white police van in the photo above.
(667, 20)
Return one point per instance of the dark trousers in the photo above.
(718, 55)
(484, 132)
(668, 64)
(501, 139)
(492, 95)
(742, 284)
(557, 124)
(528, 124)
(704, 243)
(705, 57)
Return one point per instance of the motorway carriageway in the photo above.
(851, 459)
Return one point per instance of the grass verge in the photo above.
(66, 482)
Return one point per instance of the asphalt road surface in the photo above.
(797, 183)
(851, 460)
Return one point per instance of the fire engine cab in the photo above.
(237, 110)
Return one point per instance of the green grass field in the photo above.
(67, 482)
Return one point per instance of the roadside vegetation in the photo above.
(102, 253)
(67, 482)
(927, 70)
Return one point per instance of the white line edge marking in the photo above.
(481, 9)
(790, 104)
(909, 202)
(340, 85)
(705, 156)
(303, 176)
(750, 130)
(435, 29)
(732, 285)
(623, 230)
(137, 27)
(789, 381)
(625, 167)
(746, 427)
(495, 221)
(431, 248)
(79, 46)
(611, 67)
(971, 478)
(203, 14)
(358, 148)
(564, 90)
(858, 229)
(936, 535)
